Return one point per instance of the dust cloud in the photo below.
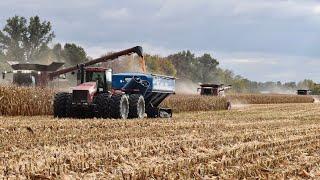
(238, 104)
(316, 98)
(186, 87)
(278, 91)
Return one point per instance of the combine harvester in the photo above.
(28, 74)
(213, 89)
(101, 94)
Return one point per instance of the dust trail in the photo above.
(277, 90)
(316, 98)
(237, 104)
(186, 87)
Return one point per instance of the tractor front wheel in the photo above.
(61, 105)
(136, 106)
(102, 102)
(119, 106)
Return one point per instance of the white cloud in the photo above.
(316, 10)
(103, 48)
(231, 8)
(117, 14)
(252, 61)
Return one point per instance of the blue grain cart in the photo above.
(153, 88)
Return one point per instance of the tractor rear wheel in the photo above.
(102, 102)
(61, 105)
(136, 106)
(119, 106)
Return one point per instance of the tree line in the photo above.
(205, 69)
(30, 40)
(25, 40)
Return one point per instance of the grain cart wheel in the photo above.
(61, 105)
(102, 102)
(119, 106)
(136, 106)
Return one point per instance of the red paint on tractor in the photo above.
(91, 87)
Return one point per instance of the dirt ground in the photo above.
(252, 141)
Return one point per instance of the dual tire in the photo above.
(62, 105)
(136, 106)
(119, 106)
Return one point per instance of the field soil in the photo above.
(254, 141)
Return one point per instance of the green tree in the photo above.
(207, 66)
(160, 65)
(74, 54)
(186, 65)
(11, 38)
(37, 37)
(24, 42)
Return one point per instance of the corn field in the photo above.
(259, 142)
(185, 103)
(269, 98)
(23, 101)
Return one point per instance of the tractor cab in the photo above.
(102, 76)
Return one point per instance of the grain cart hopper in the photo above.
(28, 74)
(101, 94)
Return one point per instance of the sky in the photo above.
(262, 40)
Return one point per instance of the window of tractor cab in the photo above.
(96, 76)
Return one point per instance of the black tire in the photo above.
(152, 112)
(61, 105)
(102, 102)
(136, 106)
(119, 106)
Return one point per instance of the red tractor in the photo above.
(101, 94)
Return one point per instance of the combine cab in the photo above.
(102, 94)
